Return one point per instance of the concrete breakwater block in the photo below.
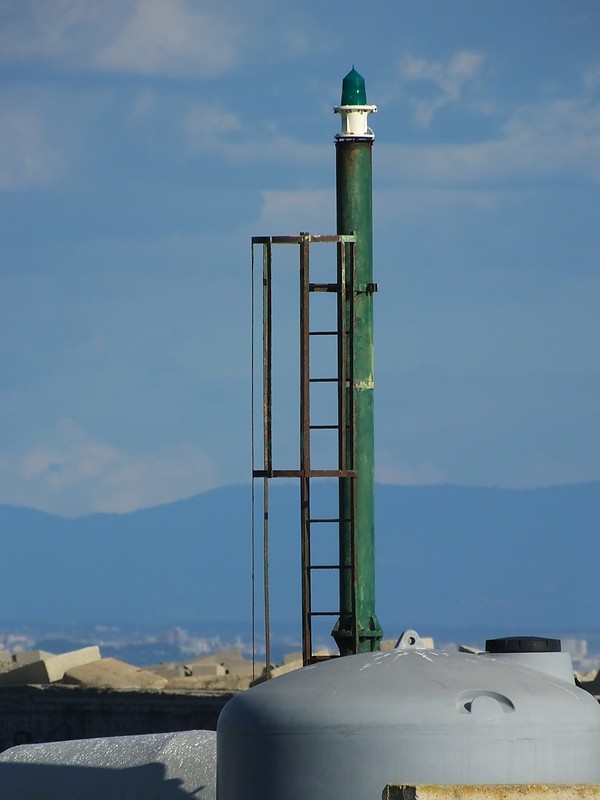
(22, 657)
(160, 766)
(50, 668)
(110, 673)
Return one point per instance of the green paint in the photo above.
(354, 92)
(354, 215)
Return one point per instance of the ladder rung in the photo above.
(322, 333)
(323, 613)
(324, 519)
(304, 473)
(324, 566)
(323, 380)
(322, 287)
(323, 427)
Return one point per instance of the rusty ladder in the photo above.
(344, 424)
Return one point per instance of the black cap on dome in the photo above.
(522, 644)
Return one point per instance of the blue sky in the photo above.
(142, 144)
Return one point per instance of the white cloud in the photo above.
(145, 103)
(591, 79)
(537, 140)
(176, 38)
(26, 160)
(551, 136)
(289, 212)
(236, 141)
(544, 470)
(148, 37)
(207, 124)
(259, 146)
(413, 201)
(450, 78)
(388, 471)
(34, 29)
(75, 474)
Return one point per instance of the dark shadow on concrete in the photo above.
(66, 782)
(36, 715)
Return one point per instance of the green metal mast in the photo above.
(357, 629)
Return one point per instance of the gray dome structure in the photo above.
(349, 726)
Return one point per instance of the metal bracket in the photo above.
(366, 288)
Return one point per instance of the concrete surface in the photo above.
(54, 713)
(110, 673)
(22, 657)
(50, 668)
(590, 681)
(171, 766)
(227, 670)
(496, 792)
(207, 670)
(170, 669)
(232, 660)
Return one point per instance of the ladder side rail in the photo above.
(267, 358)
(342, 331)
(345, 442)
(267, 435)
(353, 484)
(305, 447)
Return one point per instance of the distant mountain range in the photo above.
(449, 558)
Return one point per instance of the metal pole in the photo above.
(267, 437)
(357, 629)
(305, 445)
